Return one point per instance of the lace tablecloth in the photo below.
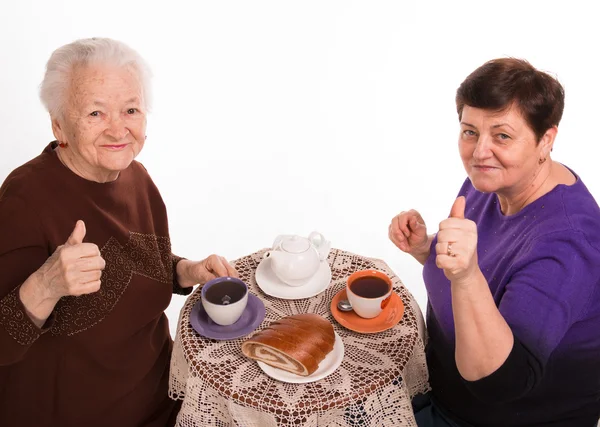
(374, 385)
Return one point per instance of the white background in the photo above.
(286, 117)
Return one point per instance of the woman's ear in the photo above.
(547, 142)
(58, 131)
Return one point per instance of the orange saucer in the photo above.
(387, 319)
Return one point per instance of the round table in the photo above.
(374, 385)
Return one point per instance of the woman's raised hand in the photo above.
(456, 246)
(74, 268)
(408, 232)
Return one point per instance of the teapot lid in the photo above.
(295, 244)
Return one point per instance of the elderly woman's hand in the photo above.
(409, 233)
(190, 273)
(456, 246)
(74, 268)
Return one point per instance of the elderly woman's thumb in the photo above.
(77, 235)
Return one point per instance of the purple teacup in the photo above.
(224, 299)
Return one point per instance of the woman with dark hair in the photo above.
(513, 275)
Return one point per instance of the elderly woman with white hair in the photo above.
(85, 256)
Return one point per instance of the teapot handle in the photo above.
(321, 245)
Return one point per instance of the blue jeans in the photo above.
(428, 414)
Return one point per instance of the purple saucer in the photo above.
(253, 315)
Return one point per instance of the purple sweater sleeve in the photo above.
(550, 290)
(520, 373)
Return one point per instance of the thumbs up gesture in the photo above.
(456, 246)
(74, 268)
(76, 237)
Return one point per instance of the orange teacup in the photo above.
(369, 292)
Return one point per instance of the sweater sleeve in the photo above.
(550, 291)
(515, 377)
(177, 289)
(22, 251)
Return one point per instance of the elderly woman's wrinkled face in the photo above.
(499, 150)
(104, 122)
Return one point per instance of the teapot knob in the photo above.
(278, 240)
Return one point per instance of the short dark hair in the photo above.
(500, 83)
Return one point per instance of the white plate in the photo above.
(327, 366)
(271, 285)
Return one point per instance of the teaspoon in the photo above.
(344, 305)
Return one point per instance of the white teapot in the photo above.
(296, 259)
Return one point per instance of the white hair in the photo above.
(105, 51)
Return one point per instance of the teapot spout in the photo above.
(271, 254)
(322, 245)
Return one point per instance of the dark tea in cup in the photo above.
(225, 293)
(369, 287)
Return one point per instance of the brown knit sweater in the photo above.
(101, 359)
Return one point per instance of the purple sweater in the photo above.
(543, 269)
